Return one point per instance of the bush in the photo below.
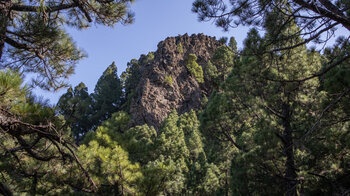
(150, 57)
(194, 68)
(169, 80)
(180, 48)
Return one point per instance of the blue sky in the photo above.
(154, 21)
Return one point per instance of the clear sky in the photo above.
(155, 20)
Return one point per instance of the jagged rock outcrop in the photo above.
(155, 97)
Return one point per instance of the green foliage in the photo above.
(220, 65)
(336, 80)
(215, 122)
(30, 162)
(194, 68)
(108, 96)
(171, 141)
(105, 157)
(130, 79)
(139, 141)
(75, 106)
(51, 67)
(109, 166)
(168, 80)
(197, 161)
(233, 45)
(250, 119)
(150, 57)
(180, 159)
(37, 156)
(164, 159)
(265, 124)
(211, 73)
(144, 59)
(84, 112)
(204, 102)
(112, 127)
(179, 48)
(162, 176)
(224, 60)
(37, 42)
(11, 92)
(223, 40)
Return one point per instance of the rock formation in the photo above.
(156, 96)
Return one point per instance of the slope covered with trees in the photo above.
(196, 117)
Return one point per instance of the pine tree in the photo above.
(11, 92)
(261, 111)
(197, 160)
(75, 106)
(36, 157)
(211, 74)
(107, 97)
(33, 40)
(223, 59)
(195, 69)
(131, 77)
(109, 164)
(233, 45)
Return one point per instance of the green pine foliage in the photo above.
(179, 48)
(37, 43)
(233, 45)
(84, 112)
(139, 141)
(211, 73)
(172, 160)
(109, 165)
(223, 40)
(168, 80)
(31, 163)
(52, 66)
(150, 57)
(11, 92)
(75, 106)
(195, 69)
(130, 79)
(224, 60)
(270, 127)
(108, 96)
(260, 116)
(106, 159)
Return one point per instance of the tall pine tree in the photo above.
(108, 96)
(75, 106)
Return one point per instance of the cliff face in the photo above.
(155, 97)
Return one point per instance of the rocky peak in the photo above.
(166, 84)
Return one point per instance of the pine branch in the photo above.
(28, 8)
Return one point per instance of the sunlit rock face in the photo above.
(155, 97)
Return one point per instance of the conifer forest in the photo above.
(197, 116)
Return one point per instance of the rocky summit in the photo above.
(166, 84)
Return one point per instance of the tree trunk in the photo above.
(34, 184)
(290, 174)
(117, 191)
(4, 18)
(4, 190)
